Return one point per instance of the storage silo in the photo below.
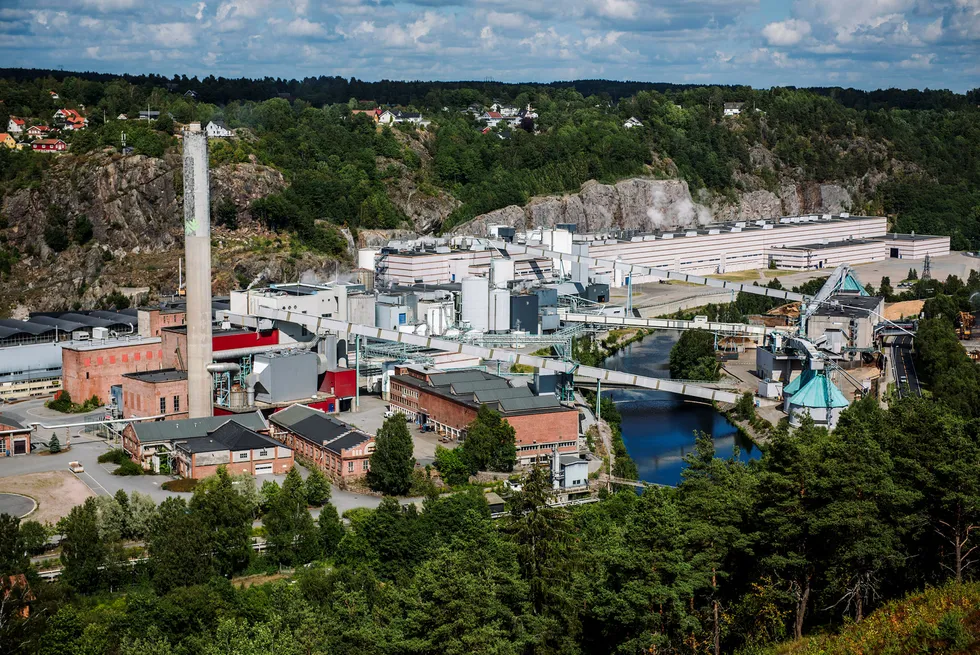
(366, 257)
(476, 302)
(500, 310)
(501, 272)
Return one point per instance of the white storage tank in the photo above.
(365, 258)
(502, 272)
(476, 302)
(499, 310)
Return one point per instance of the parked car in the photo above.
(76, 467)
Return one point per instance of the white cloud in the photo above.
(110, 5)
(488, 38)
(787, 32)
(918, 61)
(623, 9)
(173, 35)
(201, 6)
(301, 27)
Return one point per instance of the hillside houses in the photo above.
(733, 108)
(49, 145)
(16, 125)
(632, 122)
(392, 116)
(70, 119)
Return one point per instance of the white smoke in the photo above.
(664, 214)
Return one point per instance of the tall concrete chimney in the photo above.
(197, 250)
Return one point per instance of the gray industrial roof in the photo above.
(850, 305)
(830, 244)
(91, 321)
(456, 377)
(117, 317)
(230, 435)
(528, 403)
(319, 428)
(479, 385)
(26, 327)
(893, 236)
(60, 323)
(190, 428)
(493, 395)
(162, 375)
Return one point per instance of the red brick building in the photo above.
(144, 441)
(450, 402)
(92, 368)
(153, 321)
(15, 438)
(235, 447)
(151, 393)
(339, 450)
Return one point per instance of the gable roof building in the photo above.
(143, 441)
(217, 129)
(234, 446)
(15, 125)
(451, 400)
(338, 449)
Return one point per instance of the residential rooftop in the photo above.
(230, 435)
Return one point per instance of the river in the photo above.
(658, 428)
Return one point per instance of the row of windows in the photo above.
(137, 356)
(561, 444)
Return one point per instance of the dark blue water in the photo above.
(658, 428)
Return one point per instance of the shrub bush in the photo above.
(115, 456)
(128, 467)
(181, 485)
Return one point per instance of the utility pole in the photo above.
(598, 400)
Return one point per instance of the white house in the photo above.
(632, 122)
(217, 129)
(388, 117)
(15, 125)
(491, 118)
(733, 108)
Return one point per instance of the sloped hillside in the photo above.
(938, 620)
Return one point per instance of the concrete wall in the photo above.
(917, 248)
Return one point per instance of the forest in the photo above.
(341, 168)
(815, 536)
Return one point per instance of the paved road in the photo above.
(906, 379)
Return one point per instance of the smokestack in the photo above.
(197, 250)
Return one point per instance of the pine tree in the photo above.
(316, 487)
(392, 462)
(54, 445)
(490, 443)
(331, 529)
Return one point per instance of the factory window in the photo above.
(100, 361)
(136, 356)
(350, 467)
(86, 375)
(112, 359)
(243, 455)
(125, 357)
(149, 354)
(163, 405)
(88, 362)
(176, 403)
(366, 464)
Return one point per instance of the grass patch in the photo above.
(737, 276)
(521, 368)
(181, 485)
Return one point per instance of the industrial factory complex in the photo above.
(433, 326)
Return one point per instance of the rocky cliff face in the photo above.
(134, 205)
(647, 205)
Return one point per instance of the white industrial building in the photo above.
(341, 301)
(915, 246)
(827, 255)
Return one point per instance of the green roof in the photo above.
(851, 283)
(819, 392)
(794, 385)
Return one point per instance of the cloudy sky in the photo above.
(861, 43)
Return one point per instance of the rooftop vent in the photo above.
(691, 233)
(736, 229)
(668, 235)
(714, 231)
(845, 215)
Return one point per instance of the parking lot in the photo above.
(371, 417)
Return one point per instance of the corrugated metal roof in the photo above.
(91, 321)
(26, 327)
(230, 435)
(60, 323)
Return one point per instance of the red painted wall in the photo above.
(233, 341)
(341, 382)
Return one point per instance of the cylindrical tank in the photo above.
(500, 310)
(365, 258)
(476, 302)
(365, 276)
(501, 272)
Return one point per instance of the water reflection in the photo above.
(658, 429)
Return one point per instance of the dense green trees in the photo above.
(392, 462)
(693, 357)
(490, 445)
